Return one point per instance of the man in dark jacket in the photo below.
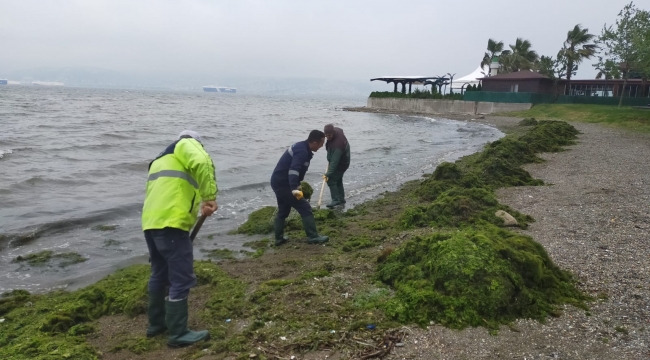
(338, 156)
(285, 182)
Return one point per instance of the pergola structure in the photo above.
(439, 82)
(410, 80)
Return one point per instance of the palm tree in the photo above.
(494, 49)
(577, 48)
(507, 62)
(523, 57)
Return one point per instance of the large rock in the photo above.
(508, 220)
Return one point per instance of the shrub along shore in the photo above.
(434, 251)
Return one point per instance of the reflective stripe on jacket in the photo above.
(292, 166)
(179, 179)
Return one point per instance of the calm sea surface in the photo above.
(73, 159)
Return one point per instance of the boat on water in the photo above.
(4, 82)
(223, 89)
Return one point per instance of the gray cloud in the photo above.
(284, 38)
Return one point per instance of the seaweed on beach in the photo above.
(475, 277)
(459, 207)
(479, 274)
(462, 193)
(550, 136)
(261, 221)
(528, 122)
(54, 325)
(219, 254)
(45, 256)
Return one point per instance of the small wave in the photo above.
(235, 169)
(26, 236)
(385, 149)
(135, 166)
(117, 136)
(468, 130)
(89, 147)
(5, 152)
(37, 180)
(259, 186)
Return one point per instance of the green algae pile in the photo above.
(55, 325)
(528, 122)
(478, 274)
(261, 221)
(45, 256)
(462, 193)
(475, 277)
(258, 222)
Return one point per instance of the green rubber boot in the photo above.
(341, 192)
(278, 226)
(309, 223)
(176, 319)
(334, 192)
(156, 313)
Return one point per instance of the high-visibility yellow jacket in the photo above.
(179, 179)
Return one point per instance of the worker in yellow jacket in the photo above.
(181, 179)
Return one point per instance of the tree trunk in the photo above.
(568, 77)
(556, 85)
(620, 101)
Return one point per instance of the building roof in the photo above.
(519, 75)
(407, 79)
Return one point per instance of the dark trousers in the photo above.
(335, 183)
(286, 201)
(172, 261)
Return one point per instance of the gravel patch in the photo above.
(593, 220)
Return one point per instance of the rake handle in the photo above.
(197, 227)
(322, 188)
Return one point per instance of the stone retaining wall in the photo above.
(431, 106)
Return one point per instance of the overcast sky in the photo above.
(345, 39)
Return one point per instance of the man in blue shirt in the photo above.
(285, 182)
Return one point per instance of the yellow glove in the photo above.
(297, 194)
(325, 178)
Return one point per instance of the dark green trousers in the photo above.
(335, 183)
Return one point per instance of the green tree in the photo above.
(578, 46)
(494, 49)
(519, 57)
(554, 69)
(608, 70)
(641, 39)
(623, 42)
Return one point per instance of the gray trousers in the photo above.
(172, 261)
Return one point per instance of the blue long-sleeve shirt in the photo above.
(293, 165)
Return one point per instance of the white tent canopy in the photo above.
(471, 79)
